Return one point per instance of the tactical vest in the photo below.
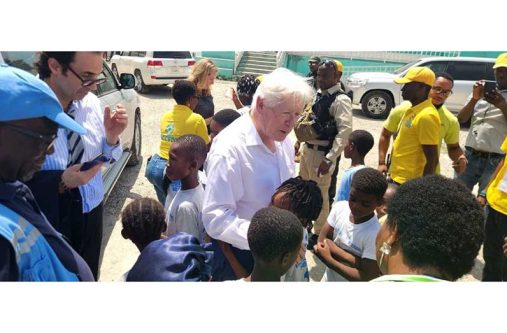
(321, 111)
(35, 258)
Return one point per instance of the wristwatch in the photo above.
(328, 161)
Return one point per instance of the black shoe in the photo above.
(312, 241)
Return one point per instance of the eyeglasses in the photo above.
(87, 83)
(441, 91)
(44, 139)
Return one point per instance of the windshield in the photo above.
(405, 67)
(22, 60)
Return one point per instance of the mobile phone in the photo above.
(90, 164)
(489, 86)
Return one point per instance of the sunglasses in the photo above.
(44, 139)
(87, 83)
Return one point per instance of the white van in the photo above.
(377, 93)
(152, 68)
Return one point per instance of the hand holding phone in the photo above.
(489, 86)
(90, 164)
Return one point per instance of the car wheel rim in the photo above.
(137, 136)
(138, 82)
(377, 105)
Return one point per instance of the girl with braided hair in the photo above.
(304, 199)
(143, 221)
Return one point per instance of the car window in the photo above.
(138, 54)
(468, 71)
(437, 66)
(405, 67)
(107, 86)
(22, 60)
(172, 54)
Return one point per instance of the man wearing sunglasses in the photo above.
(75, 208)
(449, 131)
(30, 248)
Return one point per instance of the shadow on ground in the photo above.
(116, 200)
(158, 92)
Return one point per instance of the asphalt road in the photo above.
(119, 254)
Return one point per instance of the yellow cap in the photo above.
(339, 66)
(501, 61)
(418, 74)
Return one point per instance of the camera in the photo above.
(489, 86)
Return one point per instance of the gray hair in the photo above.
(280, 85)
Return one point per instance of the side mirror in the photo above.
(127, 81)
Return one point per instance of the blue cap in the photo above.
(24, 96)
(178, 258)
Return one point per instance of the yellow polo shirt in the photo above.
(177, 122)
(420, 125)
(449, 129)
(497, 190)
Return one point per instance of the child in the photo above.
(383, 209)
(274, 237)
(184, 206)
(178, 258)
(353, 226)
(179, 121)
(304, 199)
(221, 120)
(143, 221)
(358, 145)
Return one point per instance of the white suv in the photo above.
(152, 68)
(377, 93)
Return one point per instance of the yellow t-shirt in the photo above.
(420, 125)
(449, 129)
(496, 197)
(177, 122)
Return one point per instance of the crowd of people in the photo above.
(231, 203)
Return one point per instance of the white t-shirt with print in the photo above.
(184, 212)
(358, 239)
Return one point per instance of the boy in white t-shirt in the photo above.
(184, 207)
(347, 241)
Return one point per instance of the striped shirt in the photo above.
(90, 115)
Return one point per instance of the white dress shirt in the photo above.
(90, 115)
(242, 176)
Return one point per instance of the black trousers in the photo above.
(87, 238)
(495, 263)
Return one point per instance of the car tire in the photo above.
(140, 86)
(377, 104)
(135, 158)
(115, 71)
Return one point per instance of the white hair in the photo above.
(280, 85)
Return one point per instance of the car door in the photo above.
(109, 93)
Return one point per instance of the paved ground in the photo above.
(119, 255)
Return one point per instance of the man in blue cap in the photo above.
(30, 249)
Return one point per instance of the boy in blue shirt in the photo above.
(358, 145)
